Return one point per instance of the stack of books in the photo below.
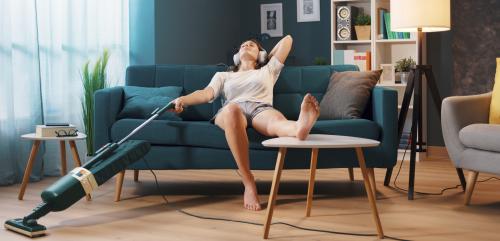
(405, 140)
(361, 59)
(384, 23)
(55, 130)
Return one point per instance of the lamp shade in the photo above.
(429, 15)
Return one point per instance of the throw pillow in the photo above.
(141, 101)
(347, 94)
(495, 98)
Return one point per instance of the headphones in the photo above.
(261, 59)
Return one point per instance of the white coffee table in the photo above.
(62, 145)
(315, 142)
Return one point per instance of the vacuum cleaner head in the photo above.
(30, 229)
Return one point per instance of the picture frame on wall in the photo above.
(308, 10)
(271, 19)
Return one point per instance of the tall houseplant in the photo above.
(92, 79)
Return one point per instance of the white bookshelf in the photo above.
(383, 51)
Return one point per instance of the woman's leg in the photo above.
(273, 123)
(232, 120)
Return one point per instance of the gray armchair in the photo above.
(472, 143)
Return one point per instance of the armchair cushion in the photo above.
(481, 136)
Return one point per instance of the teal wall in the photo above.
(207, 31)
(311, 39)
(196, 31)
(142, 31)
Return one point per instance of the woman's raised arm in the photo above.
(282, 49)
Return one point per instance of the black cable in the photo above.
(254, 223)
(429, 193)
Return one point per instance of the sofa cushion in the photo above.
(481, 136)
(205, 134)
(347, 94)
(140, 102)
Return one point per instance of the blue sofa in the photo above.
(195, 143)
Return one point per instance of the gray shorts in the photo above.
(249, 108)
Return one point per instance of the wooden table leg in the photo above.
(29, 166)
(371, 176)
(312, 176)
(274, 190)
(369, 191)
(351, 173)
(76, 159)
(62, 148)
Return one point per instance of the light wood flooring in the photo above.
(339, 205)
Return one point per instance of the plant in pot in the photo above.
(362, 26)
(93, 79)
(403, 67)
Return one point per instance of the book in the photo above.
(349, 56)
(53, 131)
(363, 60)
(338, 57)
(381, 24)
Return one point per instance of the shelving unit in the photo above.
(383, 51)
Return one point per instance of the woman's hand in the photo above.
(179, 105)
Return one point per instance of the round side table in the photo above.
(62, 146)
(316, 142)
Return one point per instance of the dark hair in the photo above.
(235, 68)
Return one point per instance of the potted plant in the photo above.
(320, 61)
(403, 67)
(92, 79)
(362, 26)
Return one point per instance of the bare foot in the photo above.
(250, 198)
(309, 113)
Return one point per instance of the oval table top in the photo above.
(32, 136)
(321, 141)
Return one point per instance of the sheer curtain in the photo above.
(43, 45)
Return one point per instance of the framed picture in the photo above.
(271, 19)
(308, 10)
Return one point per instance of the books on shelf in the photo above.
(385, 30)
(361, 59)
(405, 140)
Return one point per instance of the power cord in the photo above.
(429, 193)
(167, 203)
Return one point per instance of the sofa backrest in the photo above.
(294, 82)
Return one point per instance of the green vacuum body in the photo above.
(68, 189)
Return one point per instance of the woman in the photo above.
(248, 92)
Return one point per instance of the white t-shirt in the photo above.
(252, 85)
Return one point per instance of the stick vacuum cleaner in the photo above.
(109, 160)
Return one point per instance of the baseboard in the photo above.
(436, 152)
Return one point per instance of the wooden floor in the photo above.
(339, 205)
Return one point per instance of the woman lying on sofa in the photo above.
(247, 89)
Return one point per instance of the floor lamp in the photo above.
(419, 16)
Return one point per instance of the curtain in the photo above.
(43, 46)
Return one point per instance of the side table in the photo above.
(315, 142)
(62, 146)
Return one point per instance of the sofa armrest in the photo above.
(385, 114)
(107, 106)
(458, 112)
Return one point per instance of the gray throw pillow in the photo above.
(347, 94)
(141, 101)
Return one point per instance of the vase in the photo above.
(403, 77)
(363, 32)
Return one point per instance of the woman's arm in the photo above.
(195, 98)
(282, 49)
